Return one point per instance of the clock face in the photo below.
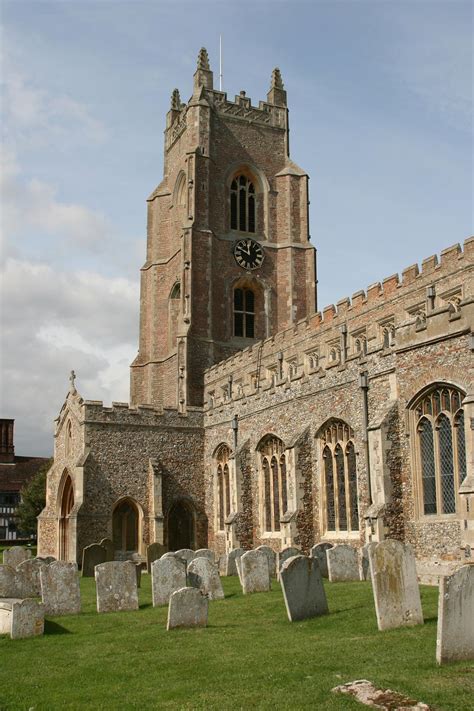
(248, 254)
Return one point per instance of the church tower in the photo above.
(228, 260)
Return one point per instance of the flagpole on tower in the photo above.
(220, 62)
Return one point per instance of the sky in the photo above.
(380, 98)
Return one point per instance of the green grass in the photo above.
(250, 656)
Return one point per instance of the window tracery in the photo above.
(223, 485)
(339, 478)
(242, 204)
(244, 313)
(273, 467)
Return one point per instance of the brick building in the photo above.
(253, 417)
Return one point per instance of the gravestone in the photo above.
(60, 589)
(167, 576)
(91, 556)
(455, 635)
(116, 585)
(10, 585)
(319, 552)
(205, 553)
(271, 557)
(48, 559)
(186, 554)
(139, 568)
(303, 589)
(284, 555)
(108, 546)
(255, 575)
(231, 562)
(395, 585)
(170, 554)
(343, 564)
(364, 561)
(222, 564)
(16, 555)
(29, 575)
(154, 552)
(188, 608)
(21, 618)
(203, 574)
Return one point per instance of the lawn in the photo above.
(250, 656)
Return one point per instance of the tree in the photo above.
(33, 500)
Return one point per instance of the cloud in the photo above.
(53, 322)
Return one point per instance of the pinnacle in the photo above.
(175, 100)
(203, 59)
(277, 82)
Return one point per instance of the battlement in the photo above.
(388, 315)
(146, 415)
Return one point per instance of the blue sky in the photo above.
(380, 97)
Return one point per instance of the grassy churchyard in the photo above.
(250, 655)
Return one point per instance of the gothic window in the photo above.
(440, 449)
(223, 485)
(244, 313)
(180, 190)
(174, 308)
(339, 478)
(242, 204)
(274, 483)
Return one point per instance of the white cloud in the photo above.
(53, 322)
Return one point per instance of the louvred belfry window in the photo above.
(440, 449)
(339, 477)
(242, 204)
(244, 313)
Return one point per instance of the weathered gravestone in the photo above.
(455, 636)
(186, 554)
(46, 559)
(203, 574)
(395, 585)
(231, 562)
(319, 552)
(154, 552)
(284, 555)
(343, 564)
(60, 589)
(188, 608)
(10, 585)
(108, 546)
(254, 572)
(271, 557)
(167, 576)
(21, 618)
(29, 575)
(116, 584)
(16, 555)
(205, 553)
(170, 554)
(364, 561)
(222, 564)
(91, 556)
(303, 589)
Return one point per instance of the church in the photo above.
(255, 418)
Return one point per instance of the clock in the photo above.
(248, 254)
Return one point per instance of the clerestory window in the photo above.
(244, 313)
(242, 204)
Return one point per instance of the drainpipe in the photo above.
(364, 386)
(235, 429)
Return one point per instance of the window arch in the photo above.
(180, 190)
(223, 501)
(273, 472)
(339, 478)
(440, 450)
(244, 312)
(174, 310)
(242, 204)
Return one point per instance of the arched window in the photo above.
(125, 521)
(440, 449)
(339, 477)
(242, 204)
(180, 190)
(274, 483)
(244, 313)
(174, 310)
(223, 485)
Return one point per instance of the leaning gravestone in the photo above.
(303, 589)
(284, 555)
(21, 618)
(60, 589)
(364, 561)
(254, 572)
(108, 546)
(29, 573)
(16, 555)
(319, 552)
(343, 564)
(271, 557)
(205, 553)
(91, 556)
(10, 585)
(186, 554)
(116, 584)
(455, 636)
(203, 574)
(395, 585)
(167, 576)
(188, 608)
(154, 552)
(231, 563)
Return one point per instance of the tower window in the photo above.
(242, 204)
(244, 313)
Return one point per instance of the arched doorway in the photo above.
(125, 526)
(67, 504)
(180, 526)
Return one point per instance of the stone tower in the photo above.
(228, 260)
